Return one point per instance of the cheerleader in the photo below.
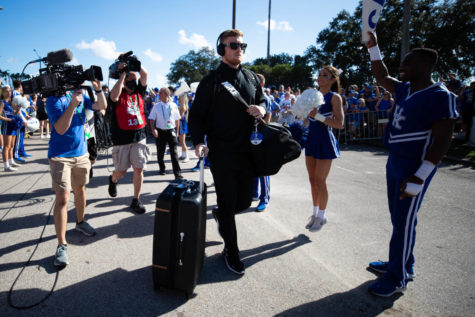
(183, 129)
(11, 123)
(322, 146)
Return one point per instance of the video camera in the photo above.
(57, 77)
(133, 65)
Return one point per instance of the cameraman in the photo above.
(69, 160)
(128, 131)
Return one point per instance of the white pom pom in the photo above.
(21, 101)
(308, 100)
(33, 124)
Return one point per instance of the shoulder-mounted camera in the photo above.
(133, 65)
(58, 77)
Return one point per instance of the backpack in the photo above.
(102, 130)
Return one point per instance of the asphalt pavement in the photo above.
(289, 270)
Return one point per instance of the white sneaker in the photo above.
(311, 221)
(186, 158)
(48, 136)
(42, 136)
(10, 169)
(14, 164)
(318, 224)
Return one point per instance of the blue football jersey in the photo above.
(409, 132)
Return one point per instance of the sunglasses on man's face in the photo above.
(235, 45)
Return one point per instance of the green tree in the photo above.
(447, 26)
(295, 76)
(284, 69)
(19, 76)
(14, 76)
(282, 58)
(193, 66)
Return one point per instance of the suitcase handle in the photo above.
(202, 170)
(180, 250)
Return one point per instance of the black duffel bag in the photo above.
(277, 148)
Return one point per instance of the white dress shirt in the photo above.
(165, 115)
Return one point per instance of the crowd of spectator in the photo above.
(367, 109)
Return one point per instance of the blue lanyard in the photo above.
(169, 112)
(82, 110)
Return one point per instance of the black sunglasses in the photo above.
(235, 45)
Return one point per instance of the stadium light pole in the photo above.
(268, 35)
(34, 50)
(405, 28)
(234, 14)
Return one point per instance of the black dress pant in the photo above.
(167, 137)
(234, 183)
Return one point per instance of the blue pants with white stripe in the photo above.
(265, 188)
(19, 146)
(403, 215)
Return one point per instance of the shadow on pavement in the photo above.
(214, 269)
(131, 227)
(115, 293)
(355, 302)
(46, 263)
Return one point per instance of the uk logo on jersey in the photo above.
(398, 117)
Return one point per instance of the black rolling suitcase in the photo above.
(179, 235)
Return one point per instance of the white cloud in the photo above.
(153, 56)
(11, 60)
(101, 48)
(274, 25)
(195, 40)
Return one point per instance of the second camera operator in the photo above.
(69, 160)
(128, 128)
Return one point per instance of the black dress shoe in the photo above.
(161, 173)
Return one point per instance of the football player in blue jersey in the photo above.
(418, 135)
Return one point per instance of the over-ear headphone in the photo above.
(220, 46)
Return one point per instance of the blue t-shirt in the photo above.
(466, 106)
(384, 105)
(73, 142)
(269, 104)
(352, 103)
(371, 104)
(409, 132)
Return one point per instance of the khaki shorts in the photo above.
(134, 154)
(69, 171)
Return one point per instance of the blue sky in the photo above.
(157, 31)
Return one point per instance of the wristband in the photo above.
(320, 117)
(413, 189)
(424, 170)
(374, 53)
(98, 91)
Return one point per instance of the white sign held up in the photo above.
(371, 12)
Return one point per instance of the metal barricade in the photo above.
(363, 126)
